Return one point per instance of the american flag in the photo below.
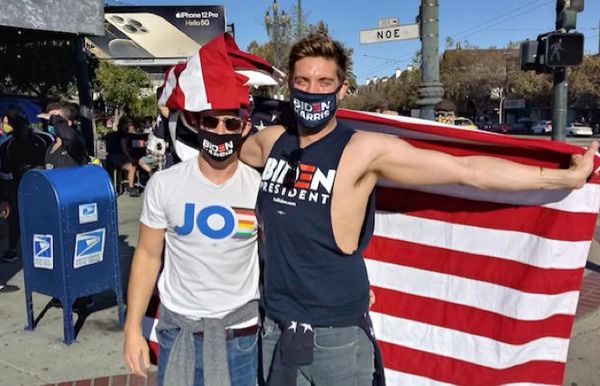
(474, 287)
(206, 80)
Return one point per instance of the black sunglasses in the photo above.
(231, 124)
(293, 159)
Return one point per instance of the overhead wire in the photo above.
(511, 14)
(502, 18)
(502, 21)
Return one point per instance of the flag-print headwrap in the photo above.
(259, 71)
(181, 93)
(206, 81)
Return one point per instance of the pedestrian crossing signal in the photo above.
(563, 49)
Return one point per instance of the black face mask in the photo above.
(218, 147)
(313, 111)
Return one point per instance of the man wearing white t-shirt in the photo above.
(202, 212)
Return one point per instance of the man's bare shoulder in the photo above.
(270, 133)
(370, 148)
(267, 137)
(257, 146)
(364, 138)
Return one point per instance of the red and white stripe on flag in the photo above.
(207, 80)
(473, 287)
(476, 287)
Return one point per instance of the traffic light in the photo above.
(529, 55)
(557, 49)
(566, 13)
(563, 49)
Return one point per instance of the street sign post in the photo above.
(431, 90)
(380, 35)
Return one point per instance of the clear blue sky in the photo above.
(484, 23)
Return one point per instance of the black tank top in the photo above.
(307, 277)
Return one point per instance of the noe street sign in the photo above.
(380, 35)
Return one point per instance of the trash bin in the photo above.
(69, 238)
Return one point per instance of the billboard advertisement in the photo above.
(156, 35)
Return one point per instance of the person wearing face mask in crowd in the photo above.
(68, 149)
(316, 215)
(24, 149)
(5, 129)
(202, 211)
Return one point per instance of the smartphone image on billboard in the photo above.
(125, 48)
(154, 34)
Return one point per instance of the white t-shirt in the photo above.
(211, 254)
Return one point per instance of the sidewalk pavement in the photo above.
(40, 358)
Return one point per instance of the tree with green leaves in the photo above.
(43, 68)
(584, 83)
(536, 88)
(397, 94)
(121, 87)
(472, 77)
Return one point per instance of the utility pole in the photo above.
(276, 27)
(431, 90)
(553, 53)
(559, 110)
(566, 20)
(299, 19)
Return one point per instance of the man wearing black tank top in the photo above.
(316, 214)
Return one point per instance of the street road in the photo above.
(578, 141)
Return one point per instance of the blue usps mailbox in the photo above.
(69, 237)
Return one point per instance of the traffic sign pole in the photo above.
(431, 90)
(566, 19)
(559, 111)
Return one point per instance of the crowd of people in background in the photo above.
(25, 148)
(57, 141)
(134, 150)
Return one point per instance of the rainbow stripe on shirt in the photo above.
(247, 226)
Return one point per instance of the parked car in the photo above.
(522, 126)
(577, 128)
(542, 127)
(465, 123)
(499, 128)
(484, 124)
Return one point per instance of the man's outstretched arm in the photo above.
(398, 161)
